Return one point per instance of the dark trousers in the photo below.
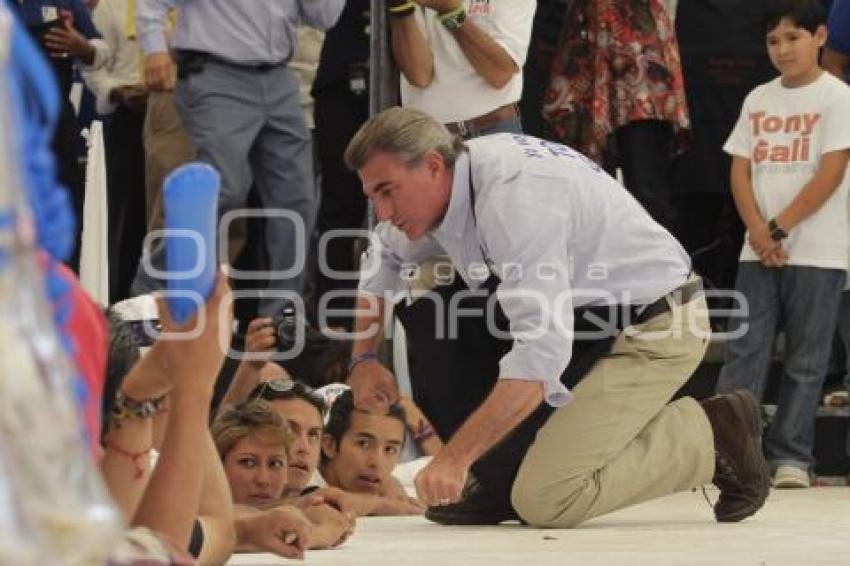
(125, 174)
(338, 114)
(451, 377)
(65, 144)
(643, 152)
(710, 229)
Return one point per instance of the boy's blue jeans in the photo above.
(804, 301)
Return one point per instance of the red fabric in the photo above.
(617, 63)
(89, 333)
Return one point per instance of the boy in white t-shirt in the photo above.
(790, 149)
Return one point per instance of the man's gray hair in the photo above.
(404, 132)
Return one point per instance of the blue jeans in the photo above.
(804, 301)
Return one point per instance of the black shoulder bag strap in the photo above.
(486, 256)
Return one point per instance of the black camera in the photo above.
(314, 353)
(287, 327)
(292, 329)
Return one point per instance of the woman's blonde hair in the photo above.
(404, 132)
(256, 418)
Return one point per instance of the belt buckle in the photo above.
(462, 130)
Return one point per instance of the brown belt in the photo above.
(474, 126)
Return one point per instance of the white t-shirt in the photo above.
(457, 92)
(784, 132)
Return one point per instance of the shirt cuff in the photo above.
(104, 107)
(102, 52)
(102, 84)
(152, 41)
(103, 104)
(521, 363)
(375, 277)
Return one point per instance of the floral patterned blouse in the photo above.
(617, 62)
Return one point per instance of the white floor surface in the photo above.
(795, 528)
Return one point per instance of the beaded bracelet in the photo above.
(423, 434)
(125, 407)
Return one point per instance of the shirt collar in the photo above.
(457, 214)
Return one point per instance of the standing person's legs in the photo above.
(810, 299)
(282, 163)
(125, 173)
(643, 149)
(339, 113)
(621, 441)
(751, 337)
(697, 223)
(222, 110)
(731, 230)
(69, 173)
(167, 146)
(844, 332)
(843, 326)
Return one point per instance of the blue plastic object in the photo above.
(191, 200)
(35, 110)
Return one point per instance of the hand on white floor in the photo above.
(441, 481)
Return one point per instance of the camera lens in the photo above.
(287, 328)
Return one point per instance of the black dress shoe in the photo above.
(476, 507)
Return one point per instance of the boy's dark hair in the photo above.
(806, 14)
(123, 355)
(339, 417)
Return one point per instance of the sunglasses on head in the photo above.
(282, 385)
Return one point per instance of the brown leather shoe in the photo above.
(741, 471)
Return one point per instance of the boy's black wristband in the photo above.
(777, 232)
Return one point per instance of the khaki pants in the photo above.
(167, 146)
(621, 442)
